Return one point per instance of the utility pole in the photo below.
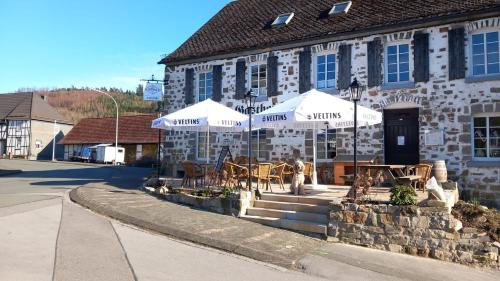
(160, 109)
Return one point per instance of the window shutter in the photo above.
(421, 57)
(240, 80)
(188, 87)
(456, 59)
(217, 83)
(374, 63)
(272, 76)
(305, 70)
(344, 79)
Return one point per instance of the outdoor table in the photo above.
(344, 165)
(393, 172)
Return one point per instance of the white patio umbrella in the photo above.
(205, 116)
(315, 110)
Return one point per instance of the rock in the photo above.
(394, 248)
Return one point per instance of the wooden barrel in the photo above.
(439, 171)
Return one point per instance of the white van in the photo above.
(106, 154)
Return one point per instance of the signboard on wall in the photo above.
(434, 137)
(153, 91)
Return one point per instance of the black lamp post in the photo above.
(250, 98)
(356, 91)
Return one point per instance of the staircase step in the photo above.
(289, 206)
(297, 225)
(289, 215)
(295, 199)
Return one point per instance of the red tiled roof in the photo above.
(245, 24)
(131, 129)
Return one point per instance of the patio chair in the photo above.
(308, 171)
(263, 173)
(234, 173)
(192, 171)
(287, 171)
(424, 171)
(278, 174)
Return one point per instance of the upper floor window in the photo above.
(340, 8)
(258, 79)
(204, 86)
(283, 19)
(486, 140)
(325, 71)
(485, 54)
(398, 63)
(326, 144)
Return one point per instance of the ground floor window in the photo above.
(326, 144)
(259, 142)
(201, 145)
(486, 140)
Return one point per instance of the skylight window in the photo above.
(340, 8)
(283, 19)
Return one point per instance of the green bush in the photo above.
(403, 195)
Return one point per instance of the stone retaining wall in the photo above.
(236, 204)
(423, 231)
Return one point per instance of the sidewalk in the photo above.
(267, 244)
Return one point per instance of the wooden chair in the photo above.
(308, 171)
(192, 171)
(278, 174)
(234, 173)
(288, 171)
(424, 172)
(263, 173)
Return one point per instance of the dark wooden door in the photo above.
(401, 136)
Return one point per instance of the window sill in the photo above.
(330, 91)
(482, 78)
(399, 85)
(484, 164)
(261, 98)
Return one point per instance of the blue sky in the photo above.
(111, 43)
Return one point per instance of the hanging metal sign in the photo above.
(153, 91)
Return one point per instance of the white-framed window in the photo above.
(485, 49)
(486, 138)
(201, 145)
(340, 8)
(326, 144)
(259, 144)
(283, 19)
(326, 71)
(258, 79)
(397, 63)
(204, 86)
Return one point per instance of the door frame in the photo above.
(402, 109)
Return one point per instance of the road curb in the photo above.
(78, 196)
(9, 172)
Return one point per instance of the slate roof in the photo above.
(245, 24)
(26, 106)
(131, 130)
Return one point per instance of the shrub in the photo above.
(403, 195)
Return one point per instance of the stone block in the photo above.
(394, 248)
(420, 222)
(360, 218)
(374, 229)
(372, 219)
(348, 216)
(386, 219)
(399, 239)
(476, 108)
(404, 221)
(336, 216)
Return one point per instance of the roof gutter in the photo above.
(423, 23)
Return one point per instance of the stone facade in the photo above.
(445, 106)
(423, 231)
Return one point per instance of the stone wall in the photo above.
(422, 231)
(446, 106)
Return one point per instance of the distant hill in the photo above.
(76, 104)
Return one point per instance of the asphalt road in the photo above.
(44, 236)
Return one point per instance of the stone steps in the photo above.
(289, 206)
(295, 199)
(289, 215)
(296, 225)
(298, 213)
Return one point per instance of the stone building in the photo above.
(29, 126)
(431, 67)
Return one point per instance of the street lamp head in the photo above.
(250, 98)
(355, 90)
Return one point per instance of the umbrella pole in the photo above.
(314, 179)
(208, 143)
